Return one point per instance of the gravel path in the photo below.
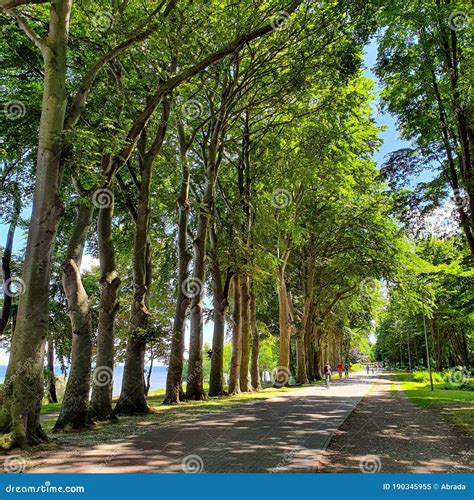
(282, 434)
(388, 433)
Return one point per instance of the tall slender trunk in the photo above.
(6, 272)
(74, 409)
(194, 384)
(52, 396)
(102, 381)
(220, 302)
(283, 314)
(132, 399)
(175, 366)
(234, 378)
(254, 367)
(21, 395)
(245, 349)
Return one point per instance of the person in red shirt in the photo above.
(340, 367)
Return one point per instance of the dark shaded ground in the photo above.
(282, 434)
(388, 433)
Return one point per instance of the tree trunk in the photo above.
(245, 353)
(234, 378)
(52, 396)
(220, 302)
(21, 395)
(102, 381)
(74, 409)
(6, 273)
(254, 367)
(175, 368)
(148, 375)
(194, 387)
(283, 315)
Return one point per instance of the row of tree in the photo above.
(217, 159)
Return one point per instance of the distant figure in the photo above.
(327, 374)
(346, 370)
(372, 369)
(340, 367)
(367, 367)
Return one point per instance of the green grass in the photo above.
(456, 405)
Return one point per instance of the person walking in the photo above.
(367, 367)
(340, 367)
(327, 374)
(346, 370)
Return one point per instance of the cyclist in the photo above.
(327, 374)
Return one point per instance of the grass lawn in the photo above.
(457, 406)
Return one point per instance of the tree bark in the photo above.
(245, 328)
(52, 396)
(254, 366)
(102, 382)
(220, 292)
(175, 367)
(74, 409)
(21, 396)
(132, 399)
(283, 314)
(234, 378)
(6, 272)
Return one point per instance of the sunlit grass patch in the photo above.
(456, 405)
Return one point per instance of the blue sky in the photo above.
(391, 142)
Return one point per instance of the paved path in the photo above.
(281, 434)
(388, 433)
